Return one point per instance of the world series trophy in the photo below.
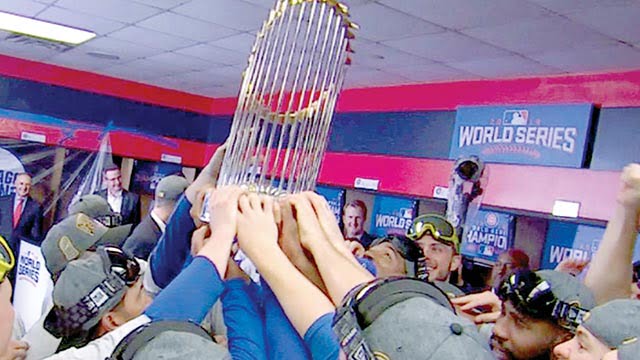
(288, 95)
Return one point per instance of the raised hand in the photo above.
(481, 308)
(257, 229)
(572, 266)
(629, 194)
(223, 207)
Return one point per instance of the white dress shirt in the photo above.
(115, 202)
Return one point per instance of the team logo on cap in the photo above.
(67, 248)
(85, 224)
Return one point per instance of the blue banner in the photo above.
(554, 135)
(392, 215)
(147, 174)
(487, 235)
(569, 240)
(335, 198)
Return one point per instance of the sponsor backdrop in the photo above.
(32, 296)
(392, 215)
(487, 234)
(147, 174)
(553, 135)
(569, 240)
(335, 198)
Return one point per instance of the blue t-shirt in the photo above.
(321, 340)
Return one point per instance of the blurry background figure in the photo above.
(121, 201)
(353, 217)
(508, 262)
(146, 234)
(635, 285)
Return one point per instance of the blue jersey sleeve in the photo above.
(245, 328)
(168, 257)
(190, 296)
(283, 341)
(321, 340)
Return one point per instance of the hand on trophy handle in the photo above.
(208, 177)
(257, 228)
(629, 194)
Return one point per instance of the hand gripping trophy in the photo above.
(289, 90)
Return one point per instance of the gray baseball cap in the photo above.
(629, 350)
(615, 323)
(177, 345)
(171, 187)
(84, 292)
(93, 206)
(419, 327)
(74, 235)
(568, 288)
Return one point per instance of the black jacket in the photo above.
(130, 210)
(143, 239)
(29, 226)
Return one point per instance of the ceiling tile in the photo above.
(367, 77)
(119, 10)
(461, 14)
(606, 58)
(218, 91)
(80, 20)
(137, 71)
(233, 14)
(396, 25)
(22, 7)
(445, 47)
(162, 4)
(241, 43)
(127, 51)
(22, 50)
(214, 54)
(151, 38)
(267, 4)
(507, 66)
(78, 59)
(181, 61)
(430, 73)
(378, 56)
(46, 1)
(186, 27)
(619, 22)
(550, 33)
(569, 6)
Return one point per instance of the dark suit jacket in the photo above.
(130, 210)
(29, 226)
(143, 239)
(366, 239)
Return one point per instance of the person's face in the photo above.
(520, 337)
(133, 303)
(23, 185)
(635, 291)
(440, 258)
(501, 269)
(611, 355)
(387, 260)
(583, 346)
(113, 180)
(6, 314)
(353, 220)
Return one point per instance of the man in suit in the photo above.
(21, 215)
(354, 214)
(148, 232)
(121, 201)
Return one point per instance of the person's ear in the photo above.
(456, 262)
(110, 321)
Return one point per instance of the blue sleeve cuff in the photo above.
(321, 340)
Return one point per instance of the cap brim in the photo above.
(116, 236)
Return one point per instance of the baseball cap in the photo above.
(403, 318)
(550, 295)
(171, 187)
(88, 288)
(176, 345)
(629, 350)
(614, 323)
(74, 235)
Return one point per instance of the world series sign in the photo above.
(553, 135)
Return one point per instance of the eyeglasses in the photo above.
(7, 261)
(436, 226)
(120, 264)
(532, 295)
(110, 221)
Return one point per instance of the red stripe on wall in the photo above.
(102, 84)
(615, 89)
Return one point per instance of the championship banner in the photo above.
(147, 174)
(392, 215)
(10, 166)
(335, 198)
(553, 135)
(569, 240)
(34, 286)
(487, 235)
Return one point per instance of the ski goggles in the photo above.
(436, 226)
(119, 263)
(532, 295)
(7, 261)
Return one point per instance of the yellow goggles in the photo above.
(7, 261)
(436, 226)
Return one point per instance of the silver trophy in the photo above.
(288, 95)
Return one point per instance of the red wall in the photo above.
(510, 186)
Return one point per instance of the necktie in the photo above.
(17, 212)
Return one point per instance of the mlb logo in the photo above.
(407, 213)
(515, 117)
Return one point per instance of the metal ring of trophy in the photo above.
(288, 95)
